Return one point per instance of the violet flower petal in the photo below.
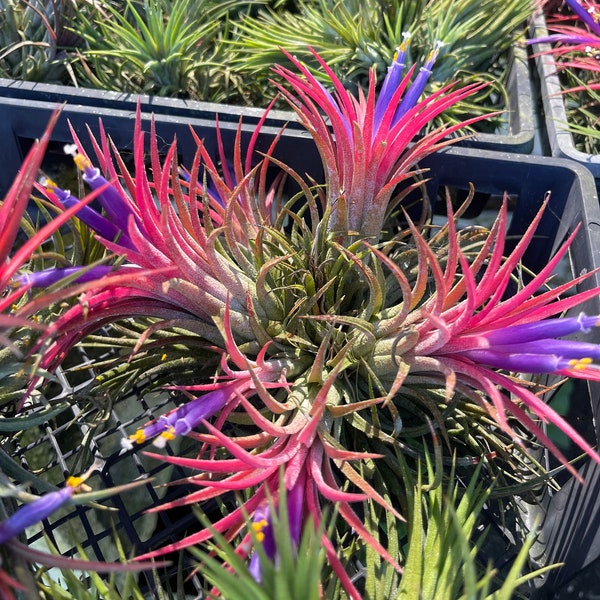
(564, 348)
(89, 216)
(48, 277)
(548, 328)
(34, 512)
(263, 528)
(183, 419)
(414, 92)
(586, 15)
(116, 208)
(523, 362)
(392, 79)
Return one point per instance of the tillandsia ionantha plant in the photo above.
(330, 332)
(574, 38)
(353, 36)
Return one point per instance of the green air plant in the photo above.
(165, 47)
(33, 37)
(582, 103)
(354, 35)
(442, 553)
(332, 330)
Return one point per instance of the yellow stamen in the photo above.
(404, 44)
(579, 364)
(78, 483)
(169, 434)
(48, 184)
(75, 482)
(259, 527)
(79, 159)
(81, 162)
(164, 357)
(433, 54)
(139, 437)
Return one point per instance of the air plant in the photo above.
(175, 48)
(575, 36)
(15, 335)
(32, 39)
(333, 330)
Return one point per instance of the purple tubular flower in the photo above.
(564, 38)
(48, 277)
(589, 16)
(392, 79)
(295, 505)
(89, 216)
(263, 528)
(181, 420)
(413, 93)
(565, 348)
(548, 328)
(527, 363)
(262, 525)
(117, 209)
(36, 511)
(535, 347)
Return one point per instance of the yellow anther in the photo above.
(75, 482)
(404, 44)
(48, 184)
(433, 54)
(139, 437)
(168, 434)
(79, 159)
(579, 364)
(164, 357)
(259, 527)
(81, 162)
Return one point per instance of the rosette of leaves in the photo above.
(33, 37)
(354, 35)
(164, 47)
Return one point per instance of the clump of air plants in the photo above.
(357, 35)
(574, 38)
(334, 336)
(33, 38)
(177, 48)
